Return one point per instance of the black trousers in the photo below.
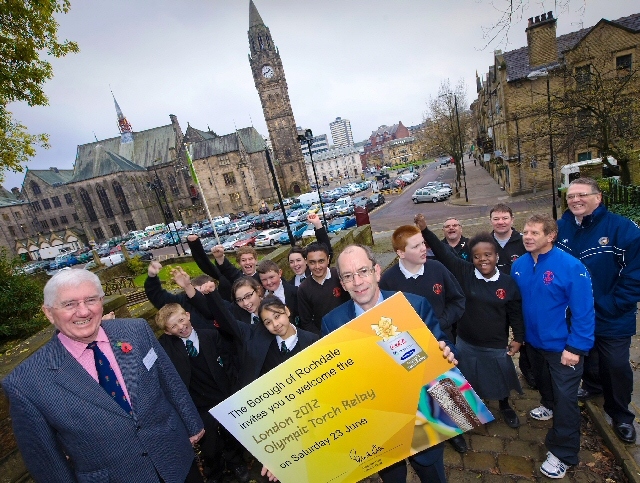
(558, 385)
(218, 446)
(607, 371)
(434, 473)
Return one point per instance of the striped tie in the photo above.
(283, 347)
(191, 349)
(255, 320)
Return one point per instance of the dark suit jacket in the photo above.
(209, 342)
(207, 266)
(291, 299)
(252, 341)
(59, 410)
(347, 312)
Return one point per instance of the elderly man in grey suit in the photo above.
(101, 401)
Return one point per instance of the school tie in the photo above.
(255, 319)
(107, 377)
(191, 349)
(283, 347)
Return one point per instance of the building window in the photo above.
(115, 230)
(36, 206)
(56, 201)
(68, 198)
(12, 231)
(583, 75)
(99, 233)
(63, 220)
(173, 185)
(88, 205)
(46, 204)
(122, 201)
(130, 224)
(229, 178)
(104, 201)
(44, 224)
(35, 188)
(224, 161)
(18, 215)
(54, 222)
(236, 200)
(623, 65)
(75, 216)
(586, 156)
(5, 217)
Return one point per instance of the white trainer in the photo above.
(541, 413)
(553, 467)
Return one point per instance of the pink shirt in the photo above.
(84, 356)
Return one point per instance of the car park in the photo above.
(62, 261)
(427, 194)
(309, 230)
(365, 203)
(297, 215)
(238, 226)
(147, 256)
(228, 243)
(277, 220)
(340, 224)
(268, 237)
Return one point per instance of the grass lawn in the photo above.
(165, 274)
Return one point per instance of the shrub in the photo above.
(20, 300)
(136, 265)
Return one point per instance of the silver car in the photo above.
(426, 194)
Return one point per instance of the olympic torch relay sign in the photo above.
(367, 395)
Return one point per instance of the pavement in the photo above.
(498, 453)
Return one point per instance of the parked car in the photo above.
(147, 256)
(377, 198)
(228, 243)
(34, 267)
(445, 160)
(276, 220)
(238, 226)
(268, 237)
(297, 229)
(297, 215)
(309, 230)
(342, 223)
(263, 221)
(61, 261)
(365, 203)
(246, 239)
(427, 194)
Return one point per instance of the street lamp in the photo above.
(292, 240)
(536, 74)
(307, 137)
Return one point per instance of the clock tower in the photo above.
(268, 75)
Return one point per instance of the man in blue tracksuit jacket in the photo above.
(552, 281)
(609, 246)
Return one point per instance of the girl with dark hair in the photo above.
(493, 304)
(246, 293)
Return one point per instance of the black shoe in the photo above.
(241, 473)
(625, 432)
(584, 395)
(459, 444)
(510, 417)
(215, 479)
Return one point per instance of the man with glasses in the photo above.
(101, 401)
(452, 230)
(359, 275)
(609, 246)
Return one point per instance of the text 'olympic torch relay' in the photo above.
(363, 397)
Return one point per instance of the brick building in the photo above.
(511, 93)
(373, 154)
(337, 162)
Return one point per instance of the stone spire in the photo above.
(126, 132)
(254, 16)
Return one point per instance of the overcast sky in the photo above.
(373, 62)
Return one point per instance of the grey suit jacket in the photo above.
(59, 411)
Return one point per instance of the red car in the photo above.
(246, 239)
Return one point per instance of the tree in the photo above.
(441, 133)
(28, 33)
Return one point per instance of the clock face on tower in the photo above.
(267, 72)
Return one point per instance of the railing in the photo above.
(117, 284)
(618, 194)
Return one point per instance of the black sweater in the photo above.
(491, 307)
(315, 300)
(437, 285)
(513, 249)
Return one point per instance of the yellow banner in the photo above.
(365, 396)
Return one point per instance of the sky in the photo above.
(373, 62)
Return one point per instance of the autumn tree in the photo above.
(441, 134)
(28, 35)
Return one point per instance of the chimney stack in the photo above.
(541, 40)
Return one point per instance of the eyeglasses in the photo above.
(580, 196)
(363, 273)
(455, 225)
(246, 297)
(72, 305)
